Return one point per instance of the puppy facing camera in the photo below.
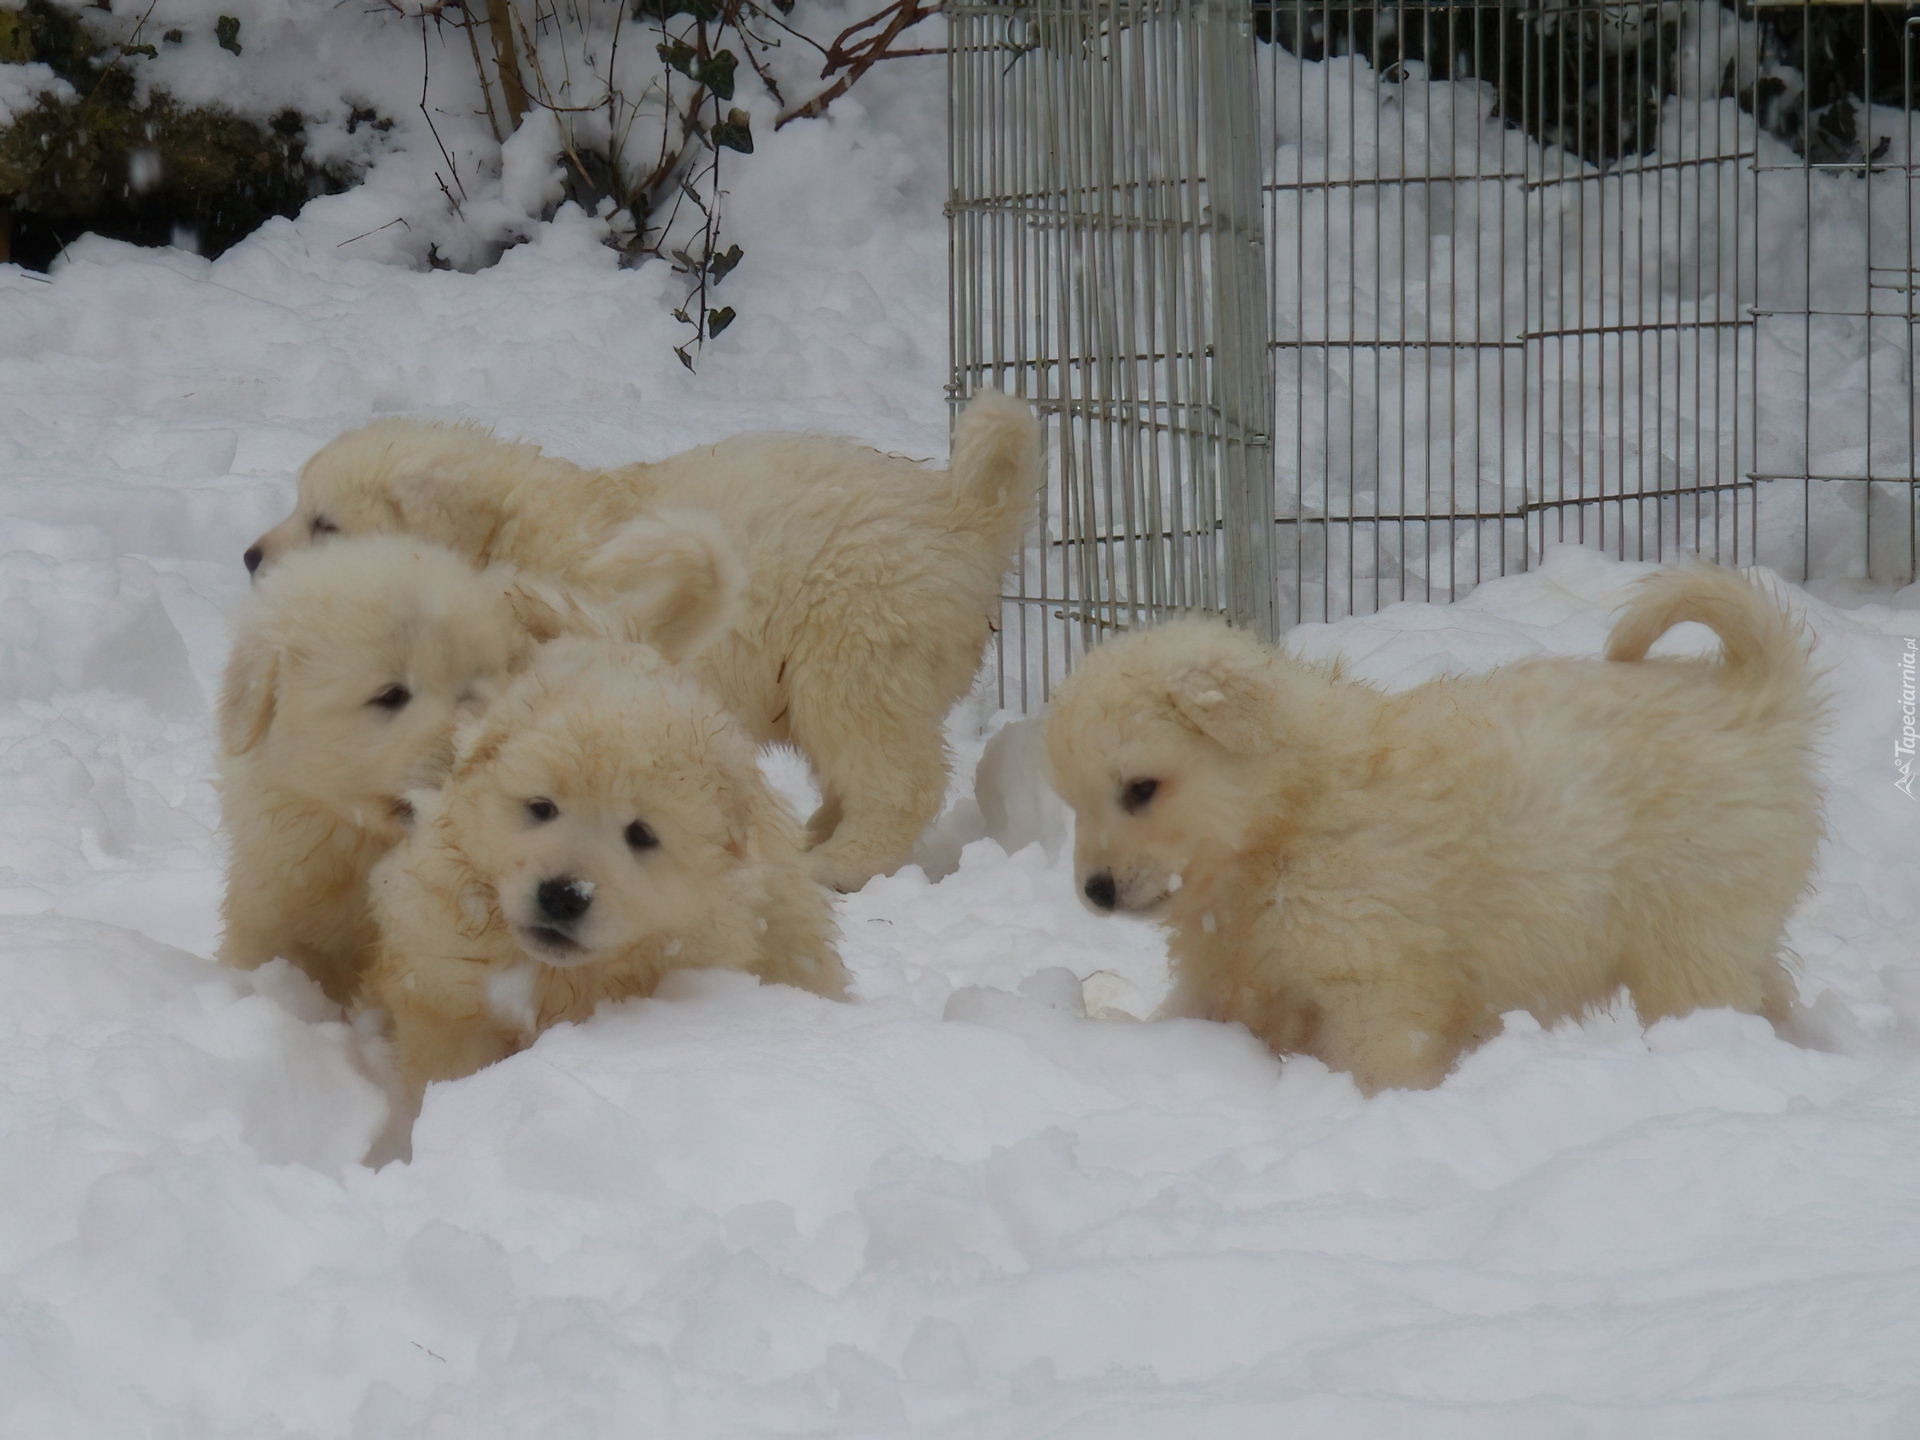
(607, 822)
(352, 665)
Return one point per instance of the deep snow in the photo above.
(953, 1207)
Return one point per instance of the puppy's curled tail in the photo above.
(672, 580)
(997, 468)
(1766, 648)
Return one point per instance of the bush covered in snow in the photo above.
(88, 142)
(189, 122)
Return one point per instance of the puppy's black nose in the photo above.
(1100, 889)
(252, 557)
(563, 898)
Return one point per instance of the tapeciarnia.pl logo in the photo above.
(1903, 748)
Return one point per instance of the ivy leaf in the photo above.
(721, 266)
(664, 10)
(735, 132)
(679, 56)
(717, 74)
(718, 320)
(685, 259)
(152, 52)
(685, 359)
(227, 29)
(681, 316)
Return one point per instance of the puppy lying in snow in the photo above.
(349, 670)
(872, 586)
(605, 823)
(1374, 879)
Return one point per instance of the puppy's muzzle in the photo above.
(563, 899)
(1101, 890)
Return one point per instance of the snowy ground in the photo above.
(953, 1207)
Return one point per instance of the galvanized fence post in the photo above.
(1240, 378)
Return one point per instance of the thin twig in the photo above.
(426, 73)
(397, 220)
(857, 56)
(480, 69)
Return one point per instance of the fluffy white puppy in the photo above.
(604, 823)
(349, 670)
(1374, 879)
(872, 584)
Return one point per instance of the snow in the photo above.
(956, 1206)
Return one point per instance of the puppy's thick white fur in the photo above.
(313, 765)
(1374, 879)
(318, 747)
(614, 779)
(870, 592)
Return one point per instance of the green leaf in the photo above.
(685, 259)
(227, 28)
(721, 266)
(735, 132)
(679, 56)
(718, 320)
(685, 359)
(717, 74)
(664, 10)
(152, 52)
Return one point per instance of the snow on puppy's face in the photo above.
(351, 668)
(1154, 742)
(605, 801)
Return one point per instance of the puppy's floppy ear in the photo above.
(440, 502)
(675, 579)
(1232, 701)
(543, 610)
(248, 693)
(741, 804)
(475, 744)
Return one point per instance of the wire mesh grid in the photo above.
(1333, 306)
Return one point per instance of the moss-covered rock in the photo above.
(153, 173)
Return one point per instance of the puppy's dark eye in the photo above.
(394, 697)
(640, 837)
(323, 526)
(542, 810)
(1137, 794)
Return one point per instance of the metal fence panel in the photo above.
(1331, 306)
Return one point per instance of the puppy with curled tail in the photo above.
(869, 591)
(1375, 879)
(351, 667)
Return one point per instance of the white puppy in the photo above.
(1374, 879)
(349, 669)
(872, 583)
(604, 823)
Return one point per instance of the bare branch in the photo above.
(506, 60)
(854, 51)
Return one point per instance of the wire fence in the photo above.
(1335, 306)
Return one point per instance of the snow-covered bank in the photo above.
(950, 1208)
